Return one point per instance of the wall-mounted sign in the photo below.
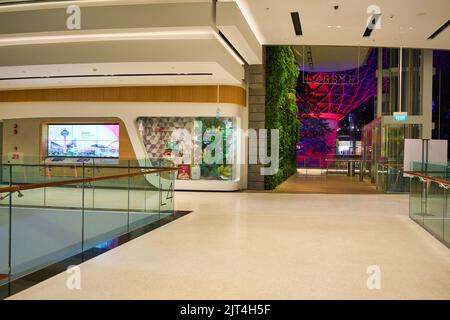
(15, 157)
(331, 78)
(400, 116)
(184, 172)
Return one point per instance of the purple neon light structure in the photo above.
(316, 94)
(331, 96)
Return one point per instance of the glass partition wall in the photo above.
(383, 139)
(410, 83)
(383, 151)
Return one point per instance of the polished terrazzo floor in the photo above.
(318, 182)
(269, 246)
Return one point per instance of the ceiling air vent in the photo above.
(438, 31)
(296, 22)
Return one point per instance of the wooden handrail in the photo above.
(78, 166)
(85, 180)
(419, 175)
(343, 160)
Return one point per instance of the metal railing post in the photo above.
(160, 195)
(129, 186)
(10, 228)
(82, 211)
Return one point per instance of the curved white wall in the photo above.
(129, 112)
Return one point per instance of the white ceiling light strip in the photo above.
(29, 5)
(108, 36)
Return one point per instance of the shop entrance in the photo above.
(336, 96)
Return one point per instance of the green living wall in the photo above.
(281, 109)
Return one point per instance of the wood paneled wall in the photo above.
(199, 94)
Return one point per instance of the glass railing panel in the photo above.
(396, 182)
(4, 239)
(66, 195)
(105, 208)
(314, 162)
(144, 200)
(26, 174)
(109, 194)
(4, 227)
(381, 177)
(137, 194)
(41, 235)
(337, 165)
(435, 206)
(415, 201)
(61, 219)
(167, 185)
(29, 198)
(435, 170)
(447, 218)
(416, 166)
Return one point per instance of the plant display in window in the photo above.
(214, 165)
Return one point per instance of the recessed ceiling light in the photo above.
(338, 27)
(330, 26)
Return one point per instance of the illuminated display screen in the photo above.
(83, 140)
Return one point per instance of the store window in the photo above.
(203, 148)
